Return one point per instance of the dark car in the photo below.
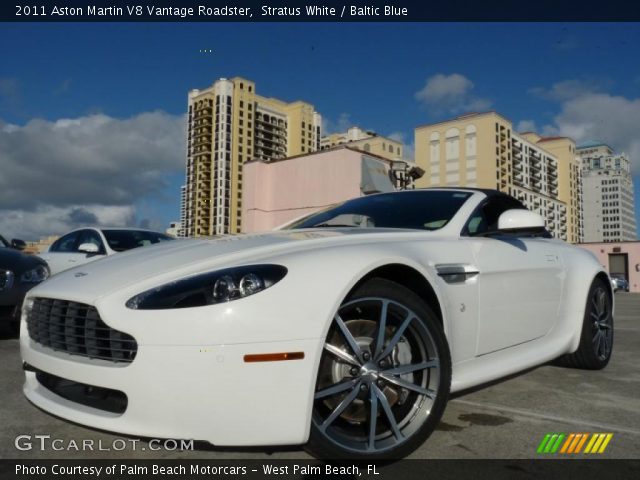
(619, 282)
(18, 273)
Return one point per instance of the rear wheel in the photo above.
(384, 376)
(596, 341)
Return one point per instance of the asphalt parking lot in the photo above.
(504, 420)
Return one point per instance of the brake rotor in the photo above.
(364, 332)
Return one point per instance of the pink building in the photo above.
(279, 191)
(621, 258)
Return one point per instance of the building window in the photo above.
(452, 145)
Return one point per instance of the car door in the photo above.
(520, 281)
(60, 253)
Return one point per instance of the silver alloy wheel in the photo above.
(602, 329)
(379, 376)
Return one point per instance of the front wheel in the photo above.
(384, 376)
(596, 340)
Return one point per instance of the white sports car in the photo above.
(346, 331)
(86, 245)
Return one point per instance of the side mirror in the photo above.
(18, 244)
(90, 248)
(521, 221)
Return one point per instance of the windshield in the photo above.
(418, 209)
(3, 242)
(121, 240)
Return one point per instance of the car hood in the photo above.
(17, 261)
(170, 260)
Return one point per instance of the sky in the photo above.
(92, 126)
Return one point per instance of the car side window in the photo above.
(485, 218)
(65, 244)
(91, 236)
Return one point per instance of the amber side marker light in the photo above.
(273, 357)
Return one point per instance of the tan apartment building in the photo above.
(608, 202)
(365, 140)
(483, 150)
(570, 180)
(229, 124)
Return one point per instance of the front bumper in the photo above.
(188, 392)
(189, 379)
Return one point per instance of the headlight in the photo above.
(35, 275)
(27, 306)
(6, 280)
(209, 288)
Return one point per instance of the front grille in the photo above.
(76, 328)
(113, 401)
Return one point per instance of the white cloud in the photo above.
(342, 124)
(612, 119)
(49, 220)
(94, 164)
(568, 89)
(450, 94)
(526, 126)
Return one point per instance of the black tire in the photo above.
(363, 430)
(14, 328)
(596, 340)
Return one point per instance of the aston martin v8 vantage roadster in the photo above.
(344, 331)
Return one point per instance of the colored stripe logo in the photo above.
(573, 443)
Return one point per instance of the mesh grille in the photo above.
(77, 329)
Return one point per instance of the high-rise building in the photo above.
(229, 124)
(483, 150)
(366, 141)
(608, 204)
(570, 189)
(183, 211)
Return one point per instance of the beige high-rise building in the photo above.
(483, 150)
(570, 180)
(366, 141)
(229, 124)
(608, 204)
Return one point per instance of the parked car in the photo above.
(88, 244)
(15, 243)
(618, 282)
(18, 273)
(346, 331)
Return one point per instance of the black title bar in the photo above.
(116, 469)
(317, 11)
